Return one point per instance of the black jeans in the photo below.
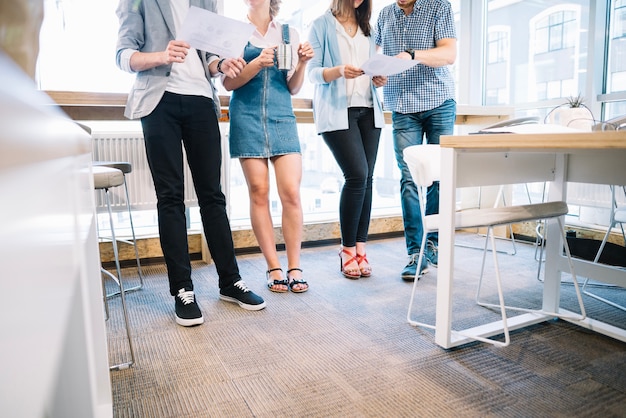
(192, 120)
(355, 150)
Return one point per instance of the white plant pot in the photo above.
(572, 117)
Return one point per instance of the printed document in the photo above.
(380, 64)
(210, 32)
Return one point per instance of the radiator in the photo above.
(591, 195)
(128, 146)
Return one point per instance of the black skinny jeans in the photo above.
(355, 151)
(190, 121)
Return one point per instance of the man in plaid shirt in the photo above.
(421, 100)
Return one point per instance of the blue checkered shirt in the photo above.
(420, 88)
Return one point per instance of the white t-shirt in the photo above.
(187, 77)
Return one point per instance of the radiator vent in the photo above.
(129, 147)
(591, 195)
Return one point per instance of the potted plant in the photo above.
(573, 114)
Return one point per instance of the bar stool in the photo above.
(125, 168)
(106, 178)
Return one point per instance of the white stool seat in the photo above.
(123, 166)
(107, 177)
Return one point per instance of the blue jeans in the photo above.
(410, 129)
(355, 151)
(190, 121)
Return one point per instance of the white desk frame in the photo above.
(494, 159)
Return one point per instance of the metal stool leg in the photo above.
(120, 284)
(133, 243)
(612, 223)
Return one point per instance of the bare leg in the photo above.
(288, 169)
(256, 171)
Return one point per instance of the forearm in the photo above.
(141, 61)
(443, 54)
(213, 64)
(297, 79)
(248, 72)
(332, 73)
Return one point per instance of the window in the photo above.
(555, 31)
(77, 47)
(545, 52)
(497, 81)
(616, 75)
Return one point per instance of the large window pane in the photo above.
(546, 55)
(77, 47)
(617, 48)
(616, 74)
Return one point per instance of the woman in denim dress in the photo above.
(263, 129)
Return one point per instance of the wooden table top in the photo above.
(537, 141)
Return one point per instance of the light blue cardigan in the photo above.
(330, 103)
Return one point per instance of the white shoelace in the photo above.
(242, 286)
(186, 297)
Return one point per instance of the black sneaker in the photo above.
(431, 253)
(239, 293)
(408, 274)
(187, 311)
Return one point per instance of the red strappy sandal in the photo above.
(349, 274)
(366, 271)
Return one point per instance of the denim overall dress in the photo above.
(262, 122)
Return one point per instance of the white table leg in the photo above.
(445, 273)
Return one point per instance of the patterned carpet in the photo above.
(344, 348)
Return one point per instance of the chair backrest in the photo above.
(513, 122)
(618, 210)
(424, 162)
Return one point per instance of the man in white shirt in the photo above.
(176, 100)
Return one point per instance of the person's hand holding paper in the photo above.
(385, 65)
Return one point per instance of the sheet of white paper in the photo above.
(208, 31)
(380, 64)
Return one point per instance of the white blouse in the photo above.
(355, 51)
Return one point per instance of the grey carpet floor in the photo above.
(345, 349)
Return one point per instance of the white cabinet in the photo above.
(52, 332)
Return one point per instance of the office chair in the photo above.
(106, 178)
(500, 197)
(525, 120)
(424, 163)
(617, 216)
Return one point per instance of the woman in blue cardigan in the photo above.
(349, 116)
